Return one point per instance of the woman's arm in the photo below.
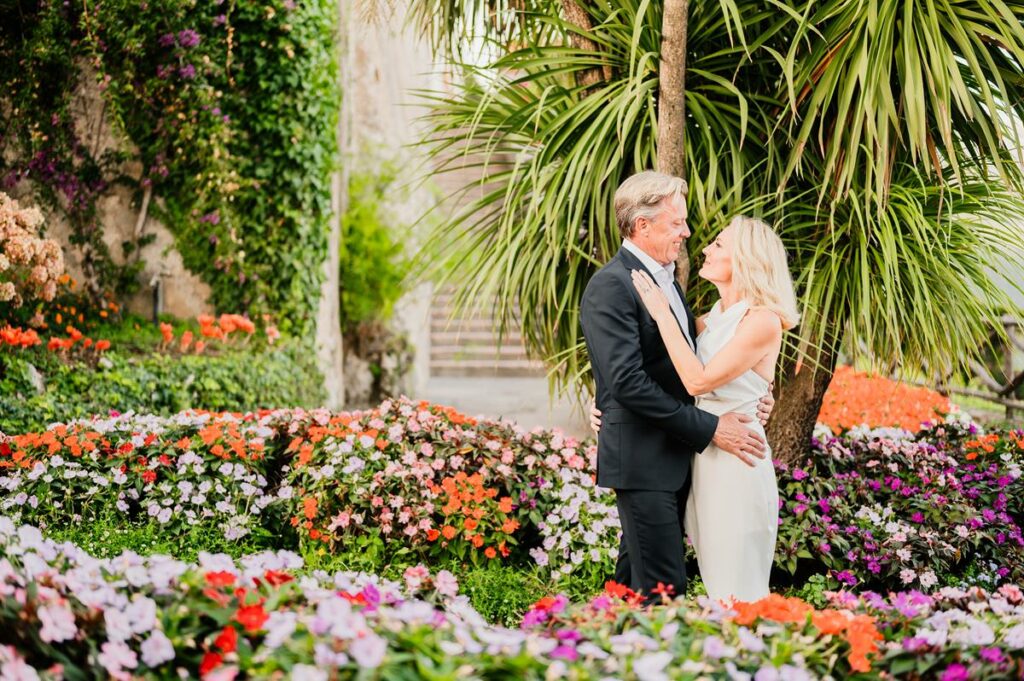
(761, 331)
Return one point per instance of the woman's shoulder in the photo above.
(763, 322)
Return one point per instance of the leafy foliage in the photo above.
(238, 380)
(879, 142)
(233, 110)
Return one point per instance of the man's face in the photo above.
(662, 238)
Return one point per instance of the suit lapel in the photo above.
(691, 320)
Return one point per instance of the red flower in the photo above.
(218, 597)
(276, 578)
(252, 617)
(227, 640)
(220, 578)
(210, 662)
(149, 476)
(433, 534)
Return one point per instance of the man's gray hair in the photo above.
(640, 196)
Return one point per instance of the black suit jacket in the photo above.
(649, 427)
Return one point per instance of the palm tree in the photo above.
(876, 134)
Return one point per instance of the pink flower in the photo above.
(58, 623)
(116, 657)
(414, 576)
(446, 584)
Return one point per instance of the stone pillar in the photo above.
(330, 352)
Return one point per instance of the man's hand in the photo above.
(765, 406)
(740, 441)
(595, 418)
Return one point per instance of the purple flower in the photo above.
(566, 653)
(799, 474)
(220, 20)
(846, 577)
(991, 655)
(188, 38)
(166, 40)
(955, 672)
(918, 517)
(914, 643)
(188, 72)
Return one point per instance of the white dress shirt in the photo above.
(664, 277)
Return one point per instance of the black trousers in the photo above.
(651, 550)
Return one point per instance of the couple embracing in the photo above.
(681, 400)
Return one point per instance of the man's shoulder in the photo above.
(606, 281)
(613, 272)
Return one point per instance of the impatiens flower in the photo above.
(955, 672)
(368, 651)
(58, 623)
(157, 649)
(251, 617)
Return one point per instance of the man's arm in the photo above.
(609, 315)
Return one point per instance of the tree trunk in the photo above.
(672, 89)
(576, 15)
(672, 105)
(798, 400)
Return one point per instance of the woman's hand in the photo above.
(653, 297)
(595, 418)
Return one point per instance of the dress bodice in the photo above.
(743, 392)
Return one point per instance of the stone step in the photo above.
(473, 352)
(478, 325)
(488, 367)
(456, 336)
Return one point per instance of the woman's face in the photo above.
(717, 267)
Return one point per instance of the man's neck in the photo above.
(647, 252)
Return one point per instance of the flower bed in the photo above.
(856, 398)
(70, 615)
(888, 509)
(410, 482)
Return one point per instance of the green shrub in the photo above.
(238, 380)
(502, 593)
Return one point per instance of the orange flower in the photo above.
(102, 345)
(470, 524)
(186, 340)
(854, 398)
(477, 541)
(167, 331)
(490, 552)
(505, 505)
(432, 534)
(448, 532)
(309, 507)
(510, 526)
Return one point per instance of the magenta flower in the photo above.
(188, 38)
(955, 672)
(188, 72)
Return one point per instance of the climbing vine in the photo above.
(229, 110)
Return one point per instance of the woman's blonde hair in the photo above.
(760, 272)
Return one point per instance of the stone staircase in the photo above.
(468, 346)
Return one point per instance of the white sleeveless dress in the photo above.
(732, 511)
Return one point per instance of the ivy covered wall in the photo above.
(229, 111)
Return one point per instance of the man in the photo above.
(650, 427)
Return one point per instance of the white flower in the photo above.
(907, 575)
(157, 649)
(651, 667)
(928, 579)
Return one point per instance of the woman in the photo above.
(732, 508)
